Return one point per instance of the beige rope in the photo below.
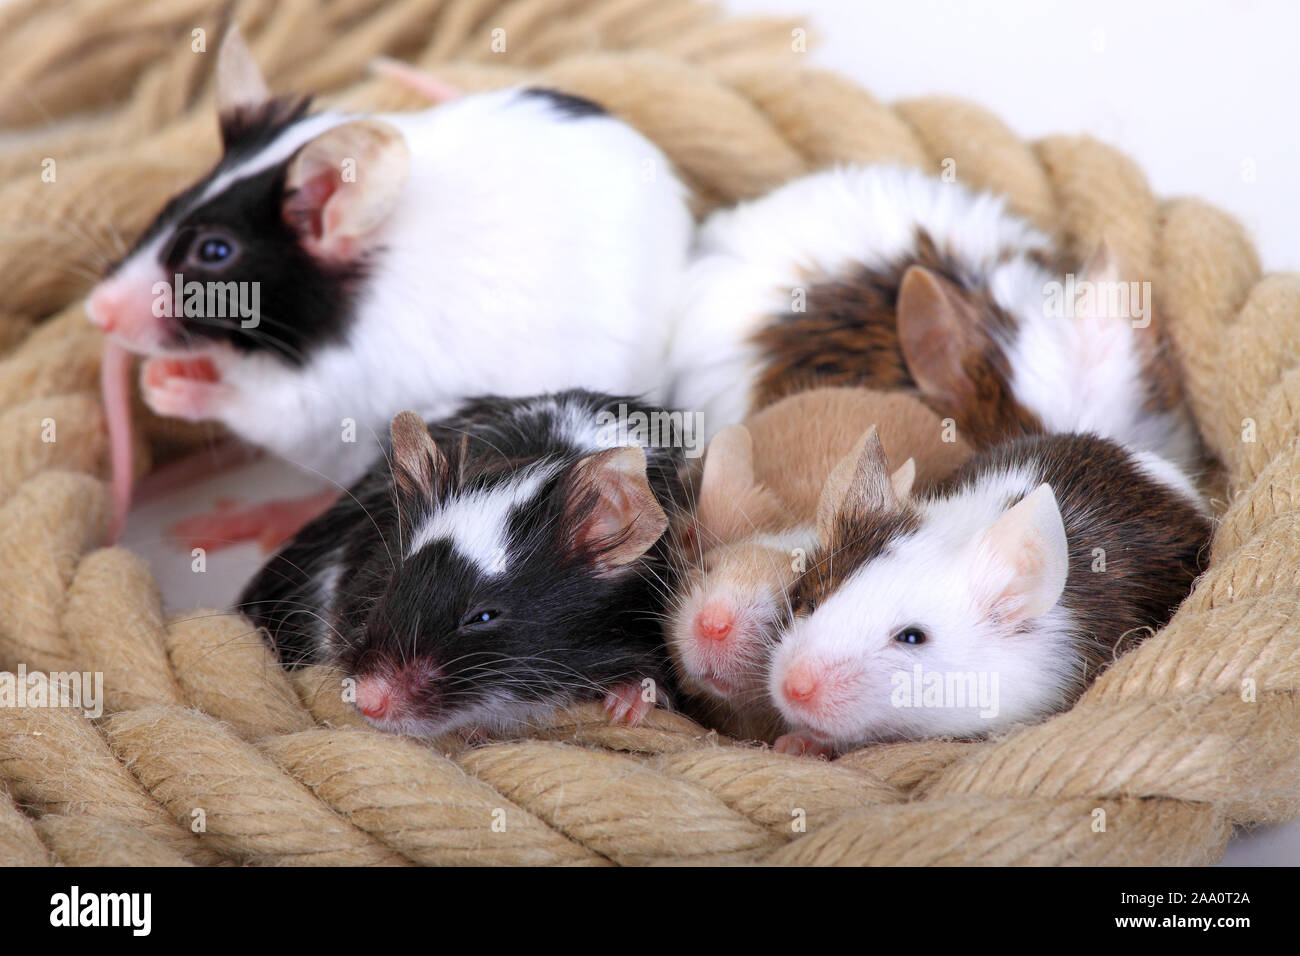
(208, 753)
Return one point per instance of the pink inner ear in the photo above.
(608, 520)
(306, 208)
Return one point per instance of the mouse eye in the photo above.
(480, 617)
(212, 249)
(910, 635)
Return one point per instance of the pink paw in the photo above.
(269, 524)
(801, 743)
(189, 388)
(626, 704)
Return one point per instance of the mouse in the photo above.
(989, 602)
(754, 524)
(335, 268)
(887, 277)
(491, 567)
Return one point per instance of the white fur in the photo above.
(934, 580)
(798, 537)
(526, 254)
(1171, 476)
(476, 521)
(1077, 376)
(749, 260)
(497, 714)
(1084, 374)
(326, 583)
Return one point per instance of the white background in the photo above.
(1193, 91)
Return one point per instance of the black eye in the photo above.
(910, 635)
(479, 617)
(212, 250)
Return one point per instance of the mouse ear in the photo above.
(1023, 558)
(613, 515)
(420, 469)
(937, 325)
(728, 479)
(343, 184)
(240, 85)
(858, 487)
(903, 479)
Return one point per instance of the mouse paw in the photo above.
(626, 704)
(269, 524)
(801, 743)
(188, 388)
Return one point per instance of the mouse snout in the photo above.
(715, 620)
(126, 309)
(374, 697)
(817, 692)
(802, 683)
(720, 641)
(389, 694)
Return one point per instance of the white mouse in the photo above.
(989, 602)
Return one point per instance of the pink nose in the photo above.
(374, 696)
(714, 622)
(104, 307)
(800, 684)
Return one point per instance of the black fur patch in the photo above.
(557, 630)
(247, 131)
(303, 302)
(566, 104)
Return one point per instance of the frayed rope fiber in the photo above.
(208, 753)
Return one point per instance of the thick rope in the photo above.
(208, 753)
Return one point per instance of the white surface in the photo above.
(1190, 90)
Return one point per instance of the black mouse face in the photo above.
(225, 261)
(501, 597)
(238, 243)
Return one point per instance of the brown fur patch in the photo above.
(852, 544)
(848, 335)
(1153, 540)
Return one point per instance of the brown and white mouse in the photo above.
(890, 278)
(989, 601)
(754, 528)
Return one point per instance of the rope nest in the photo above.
(208, 752)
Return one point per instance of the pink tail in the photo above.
(415, 79)
(114, 368)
